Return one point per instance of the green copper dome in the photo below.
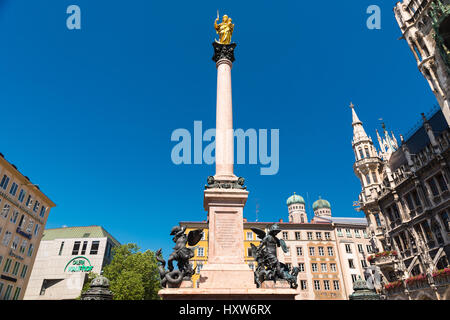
(320, 204)
(295, 198)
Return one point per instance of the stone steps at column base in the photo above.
(227, 294)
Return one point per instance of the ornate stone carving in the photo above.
(440, 12)
(223, 51)
(214, 184)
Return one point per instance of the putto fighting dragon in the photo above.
(181, 254)
(269, 268)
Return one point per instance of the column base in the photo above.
(226, 276)
(227, 294)
(281, 284)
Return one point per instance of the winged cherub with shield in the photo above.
(269, 268)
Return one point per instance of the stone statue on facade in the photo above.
(373, 242)
(181, 254)
(269, 268)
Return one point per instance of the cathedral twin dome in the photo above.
(295, 198)
(319, 204)
(297, 212)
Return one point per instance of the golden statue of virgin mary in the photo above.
(224, 29)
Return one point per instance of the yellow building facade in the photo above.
(24, 210)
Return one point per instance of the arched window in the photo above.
(423, 46)
(437, 231)
(415, 50)
(442, 263)
(445, 220)
(377, 219)
(361, 154)
(416, 270)
(368, 179)
(367, 152)
(374, 177)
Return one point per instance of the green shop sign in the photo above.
(78, 264)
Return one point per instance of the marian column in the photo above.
(225, 275)
(225, 195)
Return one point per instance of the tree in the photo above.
(133, 275)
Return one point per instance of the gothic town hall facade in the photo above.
(405, 184)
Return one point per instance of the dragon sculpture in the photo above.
(181, 254)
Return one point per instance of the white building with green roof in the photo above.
(64, 259)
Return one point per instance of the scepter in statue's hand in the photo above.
(217, 19)
(215, 23)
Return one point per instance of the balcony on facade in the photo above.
(412, 12)
(417, 211)
(442, 277)
(382, 259)
(401, 175)
(417, 7)
(366, 161)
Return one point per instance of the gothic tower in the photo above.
(368, 167)
(388, 144)
(425, 25)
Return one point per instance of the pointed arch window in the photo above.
(361, 154)
(367, 152)
(416, 270)
(374, 177)
(368, 179)
(445, 220)
(415, 49)
(377, 219)
(423, 46)
(437, 232)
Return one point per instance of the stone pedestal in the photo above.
(275, 285)
(226, 268)
(228, 294)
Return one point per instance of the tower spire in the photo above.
(358, 130)
(354, 115)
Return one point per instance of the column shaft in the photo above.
(224, 123)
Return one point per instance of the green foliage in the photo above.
(133, 274)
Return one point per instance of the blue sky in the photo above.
(88, 114)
